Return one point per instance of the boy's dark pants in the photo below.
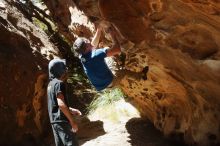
(63, 135)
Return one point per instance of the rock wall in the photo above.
(24, 54)
(181, 95)
(179, 41)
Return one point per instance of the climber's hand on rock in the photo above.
(75, 112)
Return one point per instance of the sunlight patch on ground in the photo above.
(114, 116)
(119, 111)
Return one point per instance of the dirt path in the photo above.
(119, 125)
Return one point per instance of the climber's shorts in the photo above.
(114, 82)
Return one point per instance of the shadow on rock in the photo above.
(143, 133)
(89, 129)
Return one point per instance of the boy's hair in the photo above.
(79, 46)
(56, 67)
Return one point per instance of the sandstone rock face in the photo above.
(61, 14)
(179, 41)
(70, 20)
(24, 51)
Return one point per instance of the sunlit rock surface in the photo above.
(179, 41)
(24, 54)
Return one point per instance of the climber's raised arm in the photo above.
(115, 49)
(95, 40)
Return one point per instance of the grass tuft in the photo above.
(106, 98)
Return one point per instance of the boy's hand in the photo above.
(74, 127)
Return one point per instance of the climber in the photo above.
(60, 114)
(93, 58)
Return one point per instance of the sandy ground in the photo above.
(119, 125)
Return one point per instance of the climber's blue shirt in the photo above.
(96, 68)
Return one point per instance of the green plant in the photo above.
(44, 26)
(108, 97)
(77, 77)
(40, 24)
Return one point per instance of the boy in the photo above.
(61, 115)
